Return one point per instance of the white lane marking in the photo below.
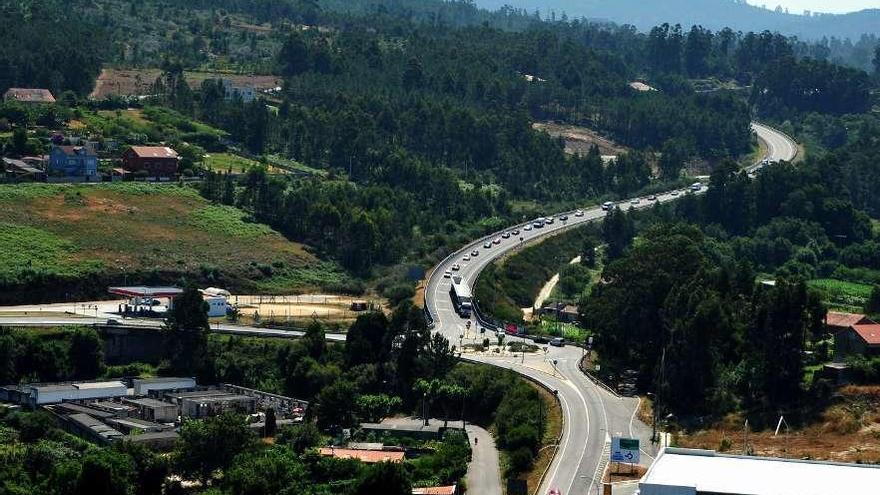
(631, 420)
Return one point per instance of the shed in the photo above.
(857, 340)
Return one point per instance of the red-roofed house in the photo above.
(367, 456)
(157, 161)
(841, 321)
(862, 339)
(28, 95)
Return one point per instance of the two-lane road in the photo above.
(591, 414)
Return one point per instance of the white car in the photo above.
(579, 213)
(447, 274)
(674, 193)
(487, 245)
(506, 235)
(466, 257)
(456, 267)
(475, 253)
(497, 241)
(636, 201)
(607, 205)
(528, 228)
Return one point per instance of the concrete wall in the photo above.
(124, 345)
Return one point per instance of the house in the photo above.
(28, 95)
(857, 340)
(20, 170)
(436, 490)
(73, 162)
(837, 322)
(566, 313)
(156, 161)
(246, 93)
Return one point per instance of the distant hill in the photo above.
(712, 14)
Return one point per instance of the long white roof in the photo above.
(710, 472)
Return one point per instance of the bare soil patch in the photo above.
(131, 82)
(579, 140)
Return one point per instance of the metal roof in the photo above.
(710, 472)
(154, 152)
(98, 385)
(143, 291)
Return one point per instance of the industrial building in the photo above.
(143, 386)
(154, 410)
(93, 429)
(704, 472)
(213, 405)
(41, 394)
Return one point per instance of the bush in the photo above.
(521, 460)
(399, 293)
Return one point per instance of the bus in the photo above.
(462, 299)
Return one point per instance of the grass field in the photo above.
(224, 162)
(142, 233)
(839, 294)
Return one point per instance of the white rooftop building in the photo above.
(704, 472)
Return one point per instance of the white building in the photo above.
(52, 394)
(143, 386)
(704, 472)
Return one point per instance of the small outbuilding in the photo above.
(155, 161)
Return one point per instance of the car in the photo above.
(607, 205)
(515, 231)
(506, 235)
(563, 218)
(538, 224)
(554, 491)
(557, 342)
(112, 322)
(696, 186)
(539, 339)
(497, 241)
(475, 253)
(466, 257)
(674, 193)
(550, 221)
(528, 228)
(447, 274)
(765, 161)
(487, 245)
(456, 267)
(636, 201)
(579, 213)
(652, 198)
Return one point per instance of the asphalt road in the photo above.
(591, 414)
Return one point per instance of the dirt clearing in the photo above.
(579, 140)
(118, 82)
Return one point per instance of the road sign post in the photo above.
(625, 450)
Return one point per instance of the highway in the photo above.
(591, 414)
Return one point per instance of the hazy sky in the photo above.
(837, 6)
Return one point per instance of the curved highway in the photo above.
(591, 414)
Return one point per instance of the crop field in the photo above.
(62, 237)
(841, 294)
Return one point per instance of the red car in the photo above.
(554, 491)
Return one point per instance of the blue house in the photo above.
(72, 161)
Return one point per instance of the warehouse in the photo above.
(93, 429)
(40, 394)
(212, 405)
(143, 386)
(704, 472)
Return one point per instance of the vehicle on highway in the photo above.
(112, 322)
(515, 232)
(466, 257)
(554, 491)
(696, 186)
(674, 193)
(636, 201)
(497, 241)
(475, 253)
(456, 267)
(607, 205)
(462, 299)
(579, 213)
(765, 162)
(506, 235)
(528, 228)
(557, 342)
(549, 221)
(540, 340)
(652, 197)
(563, 218)
(487, 245)
(447, 274)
